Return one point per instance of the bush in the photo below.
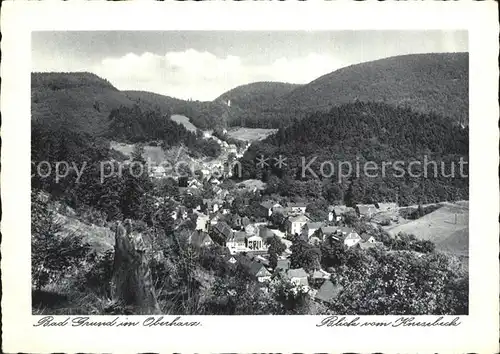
(52, 253)
(385, 222)
(99, 274)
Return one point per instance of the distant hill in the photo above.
(426, 83)
(257, 95)
(203, 114)
(81, 101)
(437, 82)
(151, 101)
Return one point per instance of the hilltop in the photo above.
(258, 95)
(79, 101)
(427, 83)
(204, 115)
(83, 102)
(353, 134)
(437, 82)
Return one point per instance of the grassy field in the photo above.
(185, 121)
(250, 134)
(154, 153)
(447, 227)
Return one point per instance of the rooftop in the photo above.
(299, 218)
(314, 225)
(224, 229)
(198, 238)
(328, 291)
(297, 205)
(297, 273)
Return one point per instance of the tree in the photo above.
(276, 248)
(333, 253)
(212, 148)
(377, 282)
(420, 211)
(136, 187)
(277, 219)
(318, 210)
(138, 153)
(304, 255)
(293, 299)
(168, 187)
(162, 217)
(192, 201)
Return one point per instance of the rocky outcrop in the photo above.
(132, 284)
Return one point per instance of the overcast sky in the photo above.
(203, 65)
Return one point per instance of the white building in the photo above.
(294, 224)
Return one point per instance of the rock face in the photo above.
(132, 284)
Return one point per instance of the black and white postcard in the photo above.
(229, 173)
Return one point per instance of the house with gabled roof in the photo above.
(223, 231)
(310, 228)
(319, 276)
(237, 242)
(229, 258)
(282, 265)
(367, 238)
(346, 235)
(328, 292)
(268, 206)
(212, 206)
(194, 183)
(297, 207)
(200, 239)
(255, 269)
(259, 271)
(294, 224)
(338, 211)
(298, 277)
(368, 241)
(215, 218)
(366, 210)
(326, 231)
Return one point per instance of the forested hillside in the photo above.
(356, 133)
(258, 95)
(83, 102)
(427, 83)
(437, 82)
(204, 115)
(78, 101)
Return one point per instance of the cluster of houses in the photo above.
(247, 240)
(248, 245)
(245, 236)
(220, 166)
(316, 284)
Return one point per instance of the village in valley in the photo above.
(147, 203)
(247, 239)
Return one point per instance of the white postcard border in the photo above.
(478, 331)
